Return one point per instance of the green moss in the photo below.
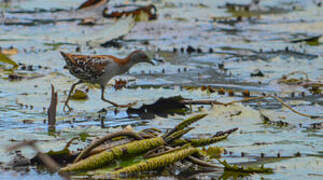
(242, 169)
(196, 142)
(156, 162)
(103, 158)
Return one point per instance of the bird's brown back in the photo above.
(87, 68)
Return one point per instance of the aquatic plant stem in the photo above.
(214, 102)
(127, 133)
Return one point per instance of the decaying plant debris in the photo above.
(156, 152)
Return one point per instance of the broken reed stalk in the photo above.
(70, 142)
(185, 123)
(151, 154)
(48, 161)
(150, 132)
(156, 162)
(52, 110)
(312, 84)
(105, 147)
(196, 142)
(117, 152)
(96, 143)
(177, 134)
(293, 110)
(191, 158)
(213, 102)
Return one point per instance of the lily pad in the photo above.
(79, 95)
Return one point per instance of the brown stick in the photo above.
(290, 108)
(128, 133)
(70, 142)
(211, 102)
(52, 111)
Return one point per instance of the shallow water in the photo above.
(180, 24)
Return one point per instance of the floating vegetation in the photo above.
(267, 121)
(7, 60)
(172, 153)
(261, 169)
(9, 51)
(313, 41)
(79, 95)
(162, 107)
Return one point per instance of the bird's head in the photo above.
(140, 57)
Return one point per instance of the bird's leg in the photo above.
(69, 95)
(113, 103)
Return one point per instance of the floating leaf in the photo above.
(162, 107)
(84, 136)
(313, 41)
(10, 51)
(7, 60)
(79, 95)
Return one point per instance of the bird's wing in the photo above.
(90, 66)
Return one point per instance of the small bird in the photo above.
(100, 69)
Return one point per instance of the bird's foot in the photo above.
(69, 109)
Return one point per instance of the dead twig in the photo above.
(70, 142)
